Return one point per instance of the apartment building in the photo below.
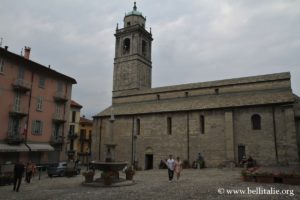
(34, 109)
(85, 140)
(74, 118)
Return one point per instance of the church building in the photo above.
(256, 116)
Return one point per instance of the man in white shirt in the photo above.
(171, 165)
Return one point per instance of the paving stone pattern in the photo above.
(153, 184)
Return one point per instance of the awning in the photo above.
(40, 147)
(13, 148)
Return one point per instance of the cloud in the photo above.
(194, 41)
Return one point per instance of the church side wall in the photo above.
(258, 143)
(211, 143)
(222, 128)
(154, 138)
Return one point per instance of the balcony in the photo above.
(17, 110)
(71, 152)
(83, 153)
(58, 118)
(60, 97)
(14, 138)
(56, 140)
(72, 136)
(83, 139)
(21, 85)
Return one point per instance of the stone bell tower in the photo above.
(132, 63)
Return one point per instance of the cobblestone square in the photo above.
(152, 184)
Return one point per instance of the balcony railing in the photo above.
(56, 140)
(59, 118)
(72, 136)
(71, 152)
(18, 110)
(22, 85)
(60, 97)
(83, 139)
(83, 153)
(14, 137)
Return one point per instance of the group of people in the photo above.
(173, 166)
(247, 162)
(19, 170)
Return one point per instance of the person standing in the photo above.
(171, 165)
(28, 171)
(178, 167)
(18, 174)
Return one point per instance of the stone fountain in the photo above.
(110, 168)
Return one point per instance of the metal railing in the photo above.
(57, 139)
(14, 137)
(58, 117)
(17, 109)
(22, 84)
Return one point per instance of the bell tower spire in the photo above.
(132, 63)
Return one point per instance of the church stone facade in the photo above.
(223, 120)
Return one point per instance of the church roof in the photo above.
(201, 103)
(208, 101)
(208, 84)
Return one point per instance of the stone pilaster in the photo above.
(291, 139)
(229, 137)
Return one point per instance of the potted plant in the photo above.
(89, 176)
(247, 176)
(291, 178)
(264, 177)
(129, 171)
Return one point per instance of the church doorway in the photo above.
(241, 152)
(148, 161)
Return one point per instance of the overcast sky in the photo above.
(194, 41)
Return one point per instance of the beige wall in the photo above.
(218, 144)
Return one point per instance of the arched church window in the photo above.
(202, 124)
(144, 47)
(169, 125)
(126, 46)
(256, 122)
(138, 126)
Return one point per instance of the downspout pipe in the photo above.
(188, 134)
(275, 133)
(132, 141)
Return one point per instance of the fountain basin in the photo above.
(109, 166)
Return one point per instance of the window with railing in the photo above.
(39, 105)
(72, 129)
(37, 127)
(73, 116)
(17, 102)
(59, 87)
(42, 82)
(21, 73)
(58, 111)
(56, 130)
(82, 134)
(13, 126)
(1, 65)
